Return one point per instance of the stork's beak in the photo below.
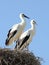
(26, 16)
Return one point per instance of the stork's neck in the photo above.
(33, 27)
(23, 21)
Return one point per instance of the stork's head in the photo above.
(23, 16)
(33, 22)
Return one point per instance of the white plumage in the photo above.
(16, 30)
(26, 37)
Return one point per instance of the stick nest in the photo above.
(13, 57)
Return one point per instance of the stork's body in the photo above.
(26, 37)
(15, 32)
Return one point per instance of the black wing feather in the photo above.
(13, 34)
(8, 33)
(8, 39)
(24, 40)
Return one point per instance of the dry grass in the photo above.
(12, 57)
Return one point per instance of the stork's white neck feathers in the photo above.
(23, 21)
(33, 26)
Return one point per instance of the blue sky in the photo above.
(35, 9)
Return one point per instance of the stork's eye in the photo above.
(23, 14)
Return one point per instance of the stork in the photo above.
(16, 30)
(26, 37)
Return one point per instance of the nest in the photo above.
(13, 57)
